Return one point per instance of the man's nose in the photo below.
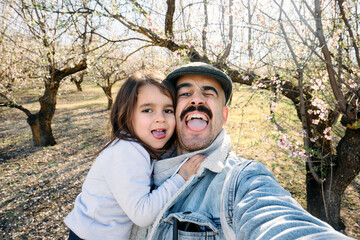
(198, 98)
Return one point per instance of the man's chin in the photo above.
(193, 140)
(193, 144)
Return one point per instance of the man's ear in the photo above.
(225, 113)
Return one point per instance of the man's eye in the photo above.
(209, 94)
(184, 94)
(147, 110)
(171, 111)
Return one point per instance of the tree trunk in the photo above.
(40, 122)
(107, 91)
(41, 130)
(325, 202)
(328, 211)
(333, 201)
(110, 103)
(314, 200)
(78, 86)
(347, 167)
(78, 82)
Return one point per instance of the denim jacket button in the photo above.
(186, 212)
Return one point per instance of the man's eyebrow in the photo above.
(205, 88)
(183, 85)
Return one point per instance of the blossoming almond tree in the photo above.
(328, 68)
(47, 55)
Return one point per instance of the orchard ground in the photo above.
(39, 184)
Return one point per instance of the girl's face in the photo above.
(153, 119)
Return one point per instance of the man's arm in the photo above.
(264, 210)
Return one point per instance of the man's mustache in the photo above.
(200, 108)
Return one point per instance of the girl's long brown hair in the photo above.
(122, 111)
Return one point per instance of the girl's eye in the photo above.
(147, 110)
(170, 111)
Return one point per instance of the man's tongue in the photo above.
(196, 125)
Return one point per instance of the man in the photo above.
(230, 197)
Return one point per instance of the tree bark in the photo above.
(314, 200)
(324, 201)
(347, 167)
(77, 81)
(110, 103)
(107, 91)
(41, 130)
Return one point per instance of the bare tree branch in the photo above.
(12, 104)
(231, 28)
(349, 29)
(303, 117)
(204, 31)
(320, 34)
(169, 18)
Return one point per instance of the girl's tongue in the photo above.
(197, 125)
(159, 134)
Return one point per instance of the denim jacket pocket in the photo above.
(193, 225)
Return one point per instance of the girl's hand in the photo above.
(191, 166)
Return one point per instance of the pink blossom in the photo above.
(323, 116)
(328, 137)
(352, 83)
(315, 121)
(314, 139)
(327, 130)
(267, 116)
(303, 133)
(273, 106)
(283, 141)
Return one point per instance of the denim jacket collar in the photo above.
(216, 155)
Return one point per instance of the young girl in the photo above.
(117, 190)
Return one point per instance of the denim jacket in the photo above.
(232, 198)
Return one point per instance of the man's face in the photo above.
(200, 112)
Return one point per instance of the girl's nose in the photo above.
(160, 117)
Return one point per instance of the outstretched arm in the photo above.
(264, 210)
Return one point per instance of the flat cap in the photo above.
(200, 68)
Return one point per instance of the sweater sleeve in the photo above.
(129, 179)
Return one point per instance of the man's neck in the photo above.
(180, 151)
